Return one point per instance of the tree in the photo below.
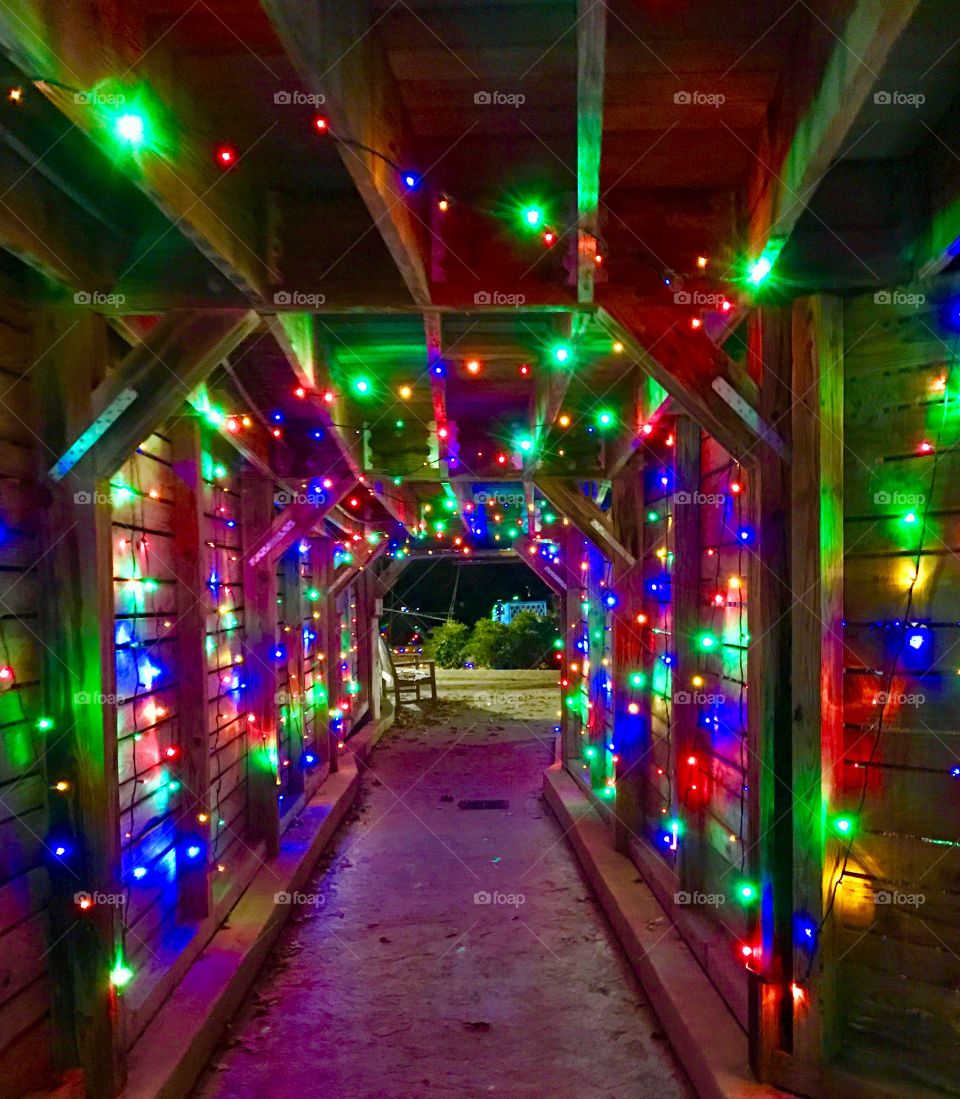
(448, 644)
(531, 641)
(489, 645)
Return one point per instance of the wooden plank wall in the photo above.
(897, 910)
(717, 688)
(148, 738)
(226, 709)
(24, 989)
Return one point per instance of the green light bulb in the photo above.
(759, 270)
(131, 129)
(362, 386)
(533, 216)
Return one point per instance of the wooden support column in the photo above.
(293, 643)
(331, 645)
(685, 539)
(570, 611)
(79, 698)
(193, 876)
(630, 730)
(769, 712)
(260, 623)
(817, 666)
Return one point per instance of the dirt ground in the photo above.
(449, 946)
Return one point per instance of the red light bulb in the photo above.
(225, 156)
(321, 125)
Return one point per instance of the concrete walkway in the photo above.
(451, 952)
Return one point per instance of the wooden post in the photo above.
(768, 707)
(260, 622)
(631, 730)
(293, 643)
(685, 539)
(331, 645)
(79, 697)
(193, 876)
(817, 661)
(570, 723)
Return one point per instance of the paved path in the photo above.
(398, 984)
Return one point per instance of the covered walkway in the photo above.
(401, 979)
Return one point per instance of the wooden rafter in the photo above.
(591, 54)
(586, 517)
(152, 383)
(336, 50)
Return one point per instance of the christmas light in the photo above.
(225, 156)
(321, 124)
(561, 353)
(759, 270)
(443, 204)
(15, 95)
(533, 216)
(405, 392)
(411, 181)
(702, 262)
(618, 347)
(549, 238)
(362, 386)
(130, 129)
(844, 826)
(473, 366)
(746, 892)
(121, 974)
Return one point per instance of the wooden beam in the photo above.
(591, 54)
(84, 52)
(529, 552)
(194, 893)
(260, 642)
(587, 517)
(345, 576)
(800, 147)
(301, 514)
(79, 699)
(151, 384)
(438, 382)
(335, 48)
(816, 671)
(685, 363)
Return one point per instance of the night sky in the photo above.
(429, 586)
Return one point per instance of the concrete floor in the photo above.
(399, 983)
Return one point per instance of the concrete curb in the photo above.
(174, 1049)
(705, 1037)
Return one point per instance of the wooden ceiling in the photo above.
(650, 132)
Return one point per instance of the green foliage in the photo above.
(531, 641)
(448, 644)
(490, 644)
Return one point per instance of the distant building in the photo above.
(506, 612)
